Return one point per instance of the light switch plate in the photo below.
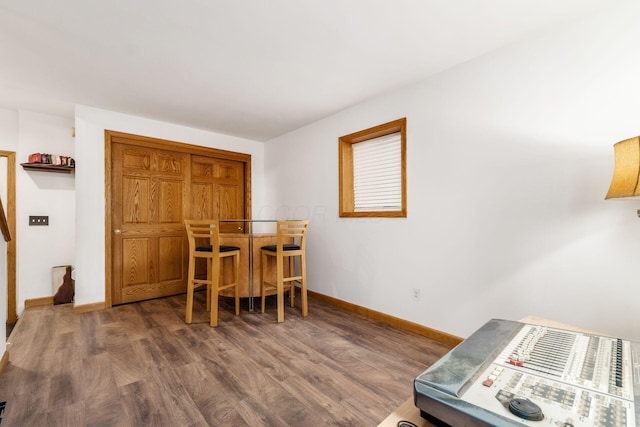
(39, 220)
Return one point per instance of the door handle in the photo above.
(117, 231)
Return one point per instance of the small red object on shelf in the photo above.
(35, 158)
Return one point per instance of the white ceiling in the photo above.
(251, 68)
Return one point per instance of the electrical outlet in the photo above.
(39, 220)
(415, 294)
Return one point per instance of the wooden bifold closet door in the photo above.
(217, 190)
(152, 191)
(148, 207)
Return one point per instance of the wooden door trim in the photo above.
(149, 142)
(12, 315)
(112, 137)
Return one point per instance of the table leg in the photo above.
(251, 301)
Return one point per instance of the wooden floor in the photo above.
(140, 364)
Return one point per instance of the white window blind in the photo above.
(377, 174)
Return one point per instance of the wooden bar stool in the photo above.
(287, 230)
(204, 243)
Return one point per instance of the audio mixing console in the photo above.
(513, 374)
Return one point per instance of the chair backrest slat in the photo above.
(203, 233)
(296, 230)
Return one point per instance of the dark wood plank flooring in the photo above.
(140, 364)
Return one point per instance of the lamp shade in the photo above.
(626, 172)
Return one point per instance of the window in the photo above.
(373, 171)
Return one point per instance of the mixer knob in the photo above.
(526, 409)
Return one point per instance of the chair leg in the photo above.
(236, 278)
(263, 268)
(213, 276)
(280, 287)
(292, 289)
(190, 277)
(303, 285)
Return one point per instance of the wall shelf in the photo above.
(47, 167)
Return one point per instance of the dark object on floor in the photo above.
(67, 290)
(9, 329)
(2, 406)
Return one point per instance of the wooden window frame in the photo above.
(345, 164)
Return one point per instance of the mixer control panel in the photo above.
(542, 376)
(576, 379)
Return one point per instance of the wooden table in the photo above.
(250, 261)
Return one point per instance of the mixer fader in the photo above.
(511, 373)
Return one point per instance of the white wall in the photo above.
(8, 130)
(90, 192)
(509, 159)
(39, 193)
(39, 248)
